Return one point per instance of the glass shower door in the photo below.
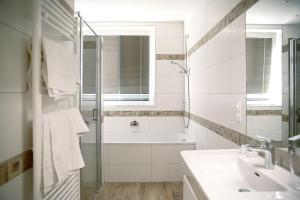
(91, 144)
(294, 87)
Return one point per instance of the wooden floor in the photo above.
(140, 191)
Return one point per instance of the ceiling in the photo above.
(134, 10)
(274, 12)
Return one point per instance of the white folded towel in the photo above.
(58, 68)
(61, 151)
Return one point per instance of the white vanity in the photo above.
(228, 174)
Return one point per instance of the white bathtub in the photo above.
(144, 157)
(147, 138)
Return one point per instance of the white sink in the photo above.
(226, 173)
(253, 180)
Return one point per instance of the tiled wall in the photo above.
(169, 86)
(15, 125)
(218, 70)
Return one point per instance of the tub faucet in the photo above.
(267, 148)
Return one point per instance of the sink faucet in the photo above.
(267, 148)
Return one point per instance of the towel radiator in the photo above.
(51, 18)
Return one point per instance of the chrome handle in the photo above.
(134, 123)
(266, 142)
(95, 114)
(264, 139)
(293, 142)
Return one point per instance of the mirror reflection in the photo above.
(271, 26)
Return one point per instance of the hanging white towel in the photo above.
(61, 151)
(58, 68)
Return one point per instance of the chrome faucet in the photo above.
(267, 148)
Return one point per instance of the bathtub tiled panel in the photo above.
(129, 173)
(128, 154)
(168, 153)
(173, 124)
(142, 163)
(160, 172)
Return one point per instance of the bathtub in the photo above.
(147, 138)
(144, 157)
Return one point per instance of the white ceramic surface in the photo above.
(221, 173)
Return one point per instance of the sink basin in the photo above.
(253, 180)
(227, 173)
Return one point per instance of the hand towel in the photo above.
(61, 151)
(58, 68)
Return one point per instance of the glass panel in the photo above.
(297, 86)
(88, 107)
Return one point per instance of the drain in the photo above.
(183, 140)
(244, 190)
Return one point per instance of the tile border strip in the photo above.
(139, 113)
(264, 112)
(170, 56)
(155, 113)
(238, 10)
(15, 166)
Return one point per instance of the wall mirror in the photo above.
(273, 64)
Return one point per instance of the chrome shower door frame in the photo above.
(293, 65)
(99, 101)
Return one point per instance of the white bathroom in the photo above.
(149, 100)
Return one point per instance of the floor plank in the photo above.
(139, 191)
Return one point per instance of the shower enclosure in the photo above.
(91, 108)
(294, 116)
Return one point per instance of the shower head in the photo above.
(180, 66)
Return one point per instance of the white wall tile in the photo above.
(129, 154)
(160, 172)
(14, 60)
(169, 29)
(166, 125)
(15, 124)
(238, 74)
(109, 124)
(129, 173)
(219, 47)
(215, 141)
(216, 10)
(169, 45)
(219, 78)
(219, 109)
(237, 36)
(170, 85)
(163, 102)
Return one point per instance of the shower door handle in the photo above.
(298, 114)
(95, 114)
